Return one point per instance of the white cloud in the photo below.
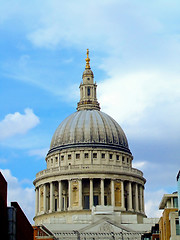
(152, 201)
(24, 196)
(140, 164)
(142, 100)
(18, 123)
(40, 153)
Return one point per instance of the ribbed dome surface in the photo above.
(89, 128)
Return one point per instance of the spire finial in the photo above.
(87, 60)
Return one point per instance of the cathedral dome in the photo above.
(91, 128)
(89, 168)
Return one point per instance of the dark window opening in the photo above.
(86, 202)
(77, 155)
(63, 203)
(69, 156)
(103, 155)
(96, 200)
(110, 156)
(88, 91)
(55, 207)
(94, 155)
(117, 157)
(67, 202)
(105, 200)
(86, 155)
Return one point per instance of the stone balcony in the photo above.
(89, 168)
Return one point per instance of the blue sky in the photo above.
(135, 54)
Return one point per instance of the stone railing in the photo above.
(76, 235)
(83, 168)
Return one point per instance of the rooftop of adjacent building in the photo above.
(169, 201)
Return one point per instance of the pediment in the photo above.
(105, 225)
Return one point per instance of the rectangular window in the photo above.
(86, 155)
(175, 202)
(69, 156)
(62, 157)
(77, 155)
(177, 227)
(123, 158)
(56, 159)
(117, 157)
(103, 155)
(51, 161)
(110, 156)
(94, 155)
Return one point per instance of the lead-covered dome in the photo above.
(89, 128)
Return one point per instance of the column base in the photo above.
(123, 209)
(131, 210)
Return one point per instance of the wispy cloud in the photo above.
(140, 164)
(39, 153)
(3, 160)
(18, 123)
(152, 201)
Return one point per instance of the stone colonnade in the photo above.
(66, 195)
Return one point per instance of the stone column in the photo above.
(112, 193)
(39, 210)
(44, 198)
(172, 204)
(69, 193)
(140, 197)
(129, 197)
(37, 201)
(80, 193)
(143, 199)
(91, 193)
(60, 195)
(51, 196)
(136, 198)
(102, 192)
(122, 195)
